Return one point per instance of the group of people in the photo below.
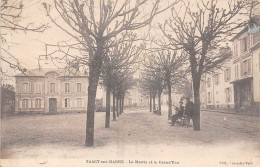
(186, 112)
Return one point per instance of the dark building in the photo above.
(7, 100)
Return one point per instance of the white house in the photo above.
(50, 91)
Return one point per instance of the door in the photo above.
(52, 105)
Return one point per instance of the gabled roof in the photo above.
(44, 71)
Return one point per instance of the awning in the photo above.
(241, 80)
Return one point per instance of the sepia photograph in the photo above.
(120, 83)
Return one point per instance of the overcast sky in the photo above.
(28, 46)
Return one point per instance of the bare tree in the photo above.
(10, 18)
(119, 57)
(197, 30)
(155, 75)
(92, 25)
(173, 70)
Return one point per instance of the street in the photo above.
(136, 132)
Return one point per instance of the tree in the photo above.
(10, 18)
(154, 75)
(200, 29)
(119, 57)
(92, 25)
(172, 69)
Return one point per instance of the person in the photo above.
(189, 111)
(179, 114)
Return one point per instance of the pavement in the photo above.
(232, 111)
(136, 134)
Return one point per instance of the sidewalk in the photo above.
(230, 111)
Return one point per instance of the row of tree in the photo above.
(101, 32)
(117, 72)
(163, 69)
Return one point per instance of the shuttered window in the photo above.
(38, 103)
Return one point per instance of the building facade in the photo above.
(50, 91)
(246, 71)
(237, 85)
(216, 91)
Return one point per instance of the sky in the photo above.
(28, 46)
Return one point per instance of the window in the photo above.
(256, 38)
(246, 67)
(216, 79)
(67, 102)
(52, 88)
(78, 87)
(228, 94)
(25, 103)
(209, 99)
(38, 103)
(67, 87)
(227, 74)
(235, 50)
(79, 102)
(236, 71)
(208, 82)
(25, 88)
(37, 88)
(245, 44)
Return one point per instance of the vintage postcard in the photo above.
(140, 83)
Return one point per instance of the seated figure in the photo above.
(180, 111)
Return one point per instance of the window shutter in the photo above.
(241, 46)
(42, 103)
(248, 42)
(20, 104)
(249, 66)
(29, 103)
(33, 103)
(21, 88)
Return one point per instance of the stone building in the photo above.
(237, 85)
(216, 91)
(50, 91)
(246, 70)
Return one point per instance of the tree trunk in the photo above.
(169, 100)
(150, 101)
(117, 100)
(159, 102)
(154, 103)
(92, 90)
(196, 117)
(123, 99)
(114, 107)
(107, 123)
(120, 105)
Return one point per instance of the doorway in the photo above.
(52, 105)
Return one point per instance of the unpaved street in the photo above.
(136, 133)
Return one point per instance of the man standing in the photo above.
(189, 111)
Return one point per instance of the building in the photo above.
(7, 100)
(216, 91)
(50, 91)
(237, 85)
(246, 71)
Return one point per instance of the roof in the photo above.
(41, 72)
(239, 34)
